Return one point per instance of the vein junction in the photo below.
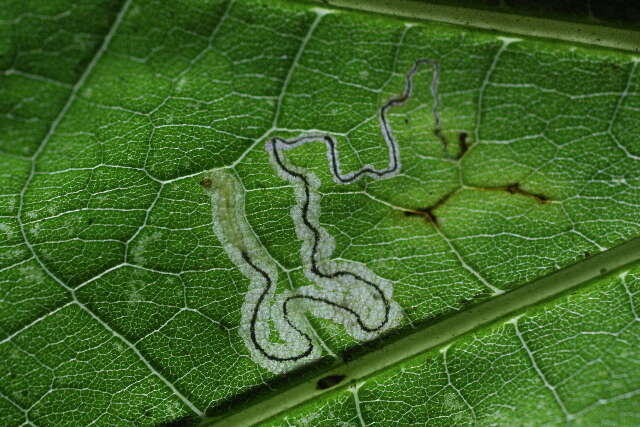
(273, 325)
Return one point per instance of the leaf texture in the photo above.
(123, 123)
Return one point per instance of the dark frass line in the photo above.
(277, 144)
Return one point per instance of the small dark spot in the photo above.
(512, 188)
(206, 183)
(329, 381)
(406, 121)
(89, 221)
(603, 270)
(463, 144)
(426, 213)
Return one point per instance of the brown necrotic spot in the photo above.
(516, 189)
(206, 183)
(463, 144)
(329, 381)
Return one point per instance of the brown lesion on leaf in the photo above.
(428, 213)
(515, 188)
(463, 144)
(329, 381)
(206, 183)
(451, 151)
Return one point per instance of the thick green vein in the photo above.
(597, 35)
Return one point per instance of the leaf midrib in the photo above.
(597, 35)
(441, 332)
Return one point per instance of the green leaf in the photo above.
(210, 207)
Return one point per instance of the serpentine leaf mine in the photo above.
(347, 293)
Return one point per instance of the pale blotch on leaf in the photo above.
(140, 248)
(6, 230)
